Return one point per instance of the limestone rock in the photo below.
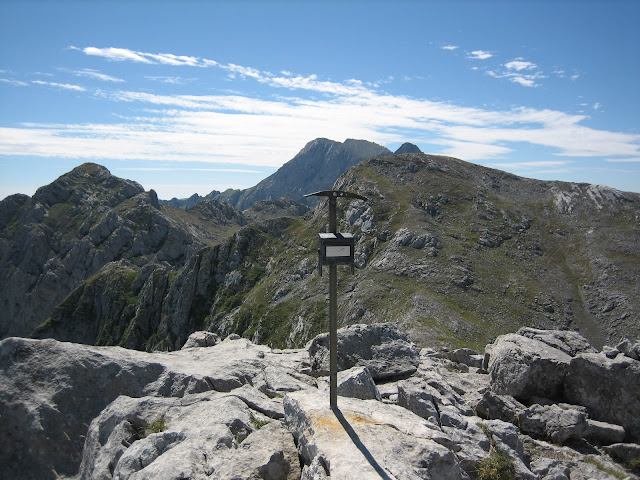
(382, 348)
(357, 383)
(625, 452)
(419, 398)
(366, 439)
(608, 387)
(558, 424)
(52, 390)
(501, 407)
(629, 347)
(466, 356)
(201, 339)
(197, 436)
(567, 341)
(524, 368)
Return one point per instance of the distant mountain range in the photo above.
(454, 252)
(316, 167)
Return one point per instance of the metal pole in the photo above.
(333, 334)
(333, 315)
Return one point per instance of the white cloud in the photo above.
(87, 72)
(523, 165)
(449, 47)
(178, 169)
(15, 83)
(597, 106)
(519, 64)
(243, 129)
(479, 55)
(165, 79)
(623, 160)
(524, 79)
(116, 54)
(65, 86)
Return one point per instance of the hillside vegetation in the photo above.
(454, 252)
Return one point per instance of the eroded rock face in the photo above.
(608, 387)
(524, 368)
(52, 390)
(382, 348)
(366, 439)
(205, 435)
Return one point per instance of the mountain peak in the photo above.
(407, 147)
(85, 184)
(315, 167)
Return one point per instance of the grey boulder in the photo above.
(201, 339)
(383, 348)
(357, 383)
(525, 368)
(608, 387)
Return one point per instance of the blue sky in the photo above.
(193, 96)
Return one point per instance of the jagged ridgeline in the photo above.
(454, 252)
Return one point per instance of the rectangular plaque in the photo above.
(338, 251)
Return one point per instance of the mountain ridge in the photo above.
(455, 252)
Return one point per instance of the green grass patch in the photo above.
(150, 428)
(603, 468)
(498, 465)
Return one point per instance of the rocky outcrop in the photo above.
(604, 386)
(239, 410)
(205, 435)
(75, 228)
(383, 348)
(52, 391)
(608, 387)
(366, 439)
(152, 307)
(525, 368)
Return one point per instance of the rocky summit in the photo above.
(233, 409)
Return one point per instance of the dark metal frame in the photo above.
(332, 196)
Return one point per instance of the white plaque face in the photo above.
(338, 251)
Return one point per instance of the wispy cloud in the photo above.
(519, 71)
(449, 47)
(87, 72)
(15, 83)
(268, 130)
(65, 86)
(519, 64)
(115, 54)
(165, 79)
(479, 55)
(623, 160)
(123, 54)
(178, 169)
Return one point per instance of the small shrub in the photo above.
(148, 428)
(633, 465)
(258, 423)
(156, 427)
(497, 466)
